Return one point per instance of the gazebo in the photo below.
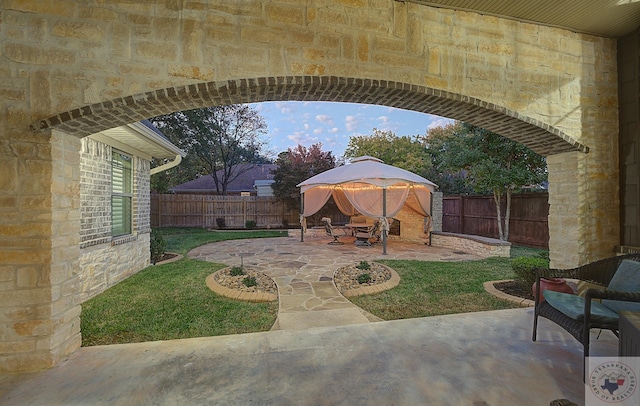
(370, 187)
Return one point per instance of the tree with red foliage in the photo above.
(296, 165)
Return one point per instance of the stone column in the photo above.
(565, 227)
(39, 249)
(436, 215)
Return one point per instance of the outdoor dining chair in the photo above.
(331, 231)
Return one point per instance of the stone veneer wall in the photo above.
(102, 266)
(481, 246)
(437, 207)
(105, 261)
(411, 227)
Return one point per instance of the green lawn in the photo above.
(436, 288)
(182, 240)
(172, 301)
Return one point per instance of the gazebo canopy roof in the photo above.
(369, 170)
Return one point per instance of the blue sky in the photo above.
(332, 124)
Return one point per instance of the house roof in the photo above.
(243, 183)
(142, 139)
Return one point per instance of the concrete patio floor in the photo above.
(324, 350)
(484, 358)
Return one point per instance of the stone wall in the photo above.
(437, 211)
(481, 246)
(102, 266)
(412, 227)
(39, 250)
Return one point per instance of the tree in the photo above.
(296, 165)
(439, 143)
(217, 140)
(496, 164)
(402, 151)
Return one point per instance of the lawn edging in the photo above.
(490, 288)
(254, 297)
(373, 289)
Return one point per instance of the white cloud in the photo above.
(383, 120)
(333, 130)
(284, 107)
(318, 131)
(351, 123)
(439, 122)
(325, 119)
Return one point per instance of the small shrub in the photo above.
(364, 265)
(220, 221)
(158, 245)
(250, 224)
(525, 268)
(250, 281)
(236, 271)
(364, 278)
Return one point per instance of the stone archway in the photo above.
(538, 136)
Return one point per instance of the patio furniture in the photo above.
(331, 231)
(366, 234)
(612, 285)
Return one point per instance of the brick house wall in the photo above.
(104, 260)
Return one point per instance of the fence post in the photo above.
(159, 210)
(202, 225)
(462, 199)
(244, 210)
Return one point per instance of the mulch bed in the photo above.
(514, 288)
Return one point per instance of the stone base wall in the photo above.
(481, 246)
(103, 266)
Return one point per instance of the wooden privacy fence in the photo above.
(181, 210)
(476, 215)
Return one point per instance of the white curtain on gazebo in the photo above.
(370, 187)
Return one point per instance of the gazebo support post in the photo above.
(301, 218)
(384, 214)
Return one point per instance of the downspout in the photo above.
(166, 166)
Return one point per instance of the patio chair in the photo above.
(605, 288)
(364, 238)
(331, 231)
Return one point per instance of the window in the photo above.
(121, 194)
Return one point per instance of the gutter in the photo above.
(176, 161)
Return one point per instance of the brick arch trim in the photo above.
(540, 137)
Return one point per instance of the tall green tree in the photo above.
(296, 165)
(401, 151)
(440, 143)
(494, 164)
(217, 141)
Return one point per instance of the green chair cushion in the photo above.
(573, 306)
(626, 279)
